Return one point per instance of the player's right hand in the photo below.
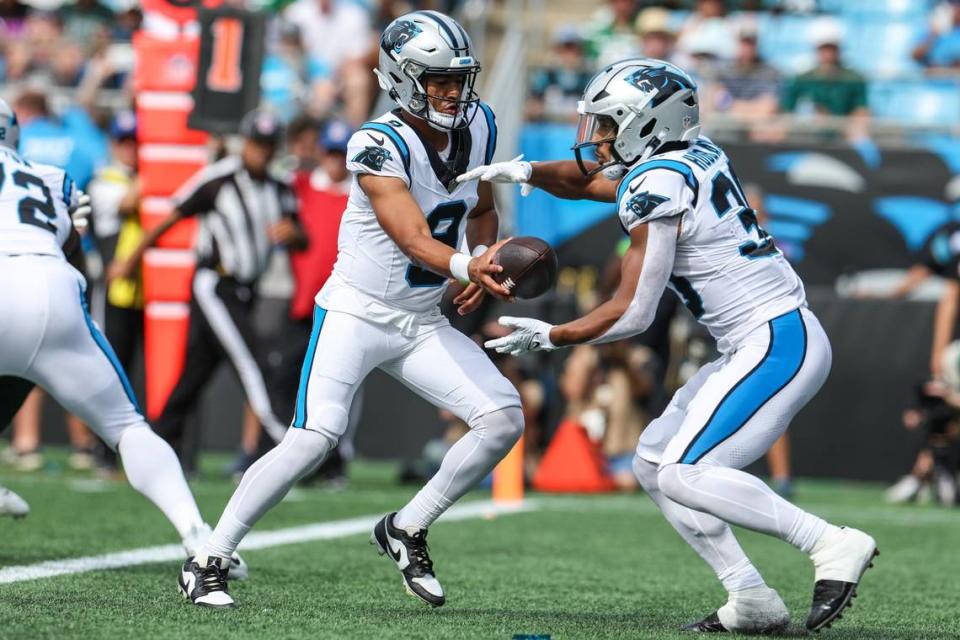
(482, 268)
(516, 171)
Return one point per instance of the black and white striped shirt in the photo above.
(236, 210)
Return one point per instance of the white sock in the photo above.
(264, 484)
(741, 499)
(466, 463)
(152, 468)
(709, 536)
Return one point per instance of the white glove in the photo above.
(529, 335)
(516, 171)
(80, 212)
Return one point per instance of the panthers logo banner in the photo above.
(398, 35)
(373, 157)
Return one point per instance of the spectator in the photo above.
(555, 90)
(657, 37)
(17, 64)
(291, 75)
(303, 138)
(748, 87)
(337, 34)
(612, 36)
(84, 20)
(707, 31)
(828, 88)
(13, 17)
(46, 139)
(940, 48)
(66, 67)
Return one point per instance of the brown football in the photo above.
(529, 267)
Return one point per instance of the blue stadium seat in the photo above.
(785, 42)
(890, 9)
(918, 102)
(878, 47)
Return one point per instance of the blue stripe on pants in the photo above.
(783, 360)
(108, 351)
(300, 418)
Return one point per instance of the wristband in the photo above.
(479, 250)
(460, 267)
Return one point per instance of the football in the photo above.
(529, 267)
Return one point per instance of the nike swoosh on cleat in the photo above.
(379, 141)
(393, 554)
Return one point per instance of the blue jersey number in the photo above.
(725, 186)
(691, 299)
(444, 223)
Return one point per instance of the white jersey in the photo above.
(371, 272)
(727, 269)
(34, 203)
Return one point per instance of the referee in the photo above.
(244, 213)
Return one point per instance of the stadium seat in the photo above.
(920, 102)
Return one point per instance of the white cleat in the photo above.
(840, 558)
(206, 586)
(756, 610)
(408, 550)
(12, 505)
(194, 541)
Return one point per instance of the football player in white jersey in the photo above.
(399, 242)
(48, 338)
(691, 229)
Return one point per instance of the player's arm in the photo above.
(644, 272)
(402, 220)
(124, 268)
(483, 227)
(287, 231)
(561, 178)
(943, 323)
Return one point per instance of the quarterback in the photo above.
(691, 229)
(400, 237)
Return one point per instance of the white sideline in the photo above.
(256, 540)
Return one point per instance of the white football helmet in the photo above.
(9, 129)
(637, 105)
(424, 43)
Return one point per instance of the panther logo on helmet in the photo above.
(660, 81)
(398, 35)
(373, 157)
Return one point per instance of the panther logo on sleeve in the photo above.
(644, 203)
(398, 35)
(373, 157)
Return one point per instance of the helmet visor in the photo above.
(593, 131)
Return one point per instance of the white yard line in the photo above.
(256, 540)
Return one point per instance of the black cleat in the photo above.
(830, 598)
(409, 551)
(206, 586)
(710, 624)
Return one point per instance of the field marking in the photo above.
(256, 540)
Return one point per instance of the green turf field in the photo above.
(571, 567)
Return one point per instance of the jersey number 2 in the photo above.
(39, 213)
(444, 223)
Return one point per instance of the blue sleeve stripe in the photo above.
(395, 137)
(670, 165)
(491, 131)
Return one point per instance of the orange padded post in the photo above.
(508, 476)
(165, 335)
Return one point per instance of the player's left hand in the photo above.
(482, 269)
(469, 299)
(80, 212)
(529, 334)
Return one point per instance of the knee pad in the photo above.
(501, 428)
(329, 420)
(671, 481)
